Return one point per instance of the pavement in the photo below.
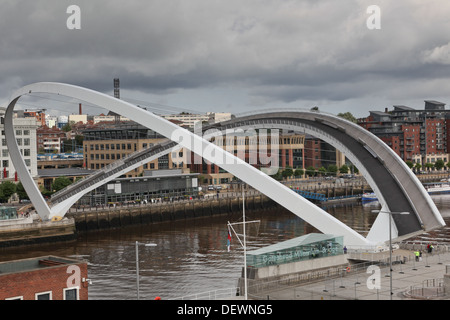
(373, 283)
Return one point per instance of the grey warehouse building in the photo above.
(153, 186)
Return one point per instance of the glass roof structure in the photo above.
(310, 246)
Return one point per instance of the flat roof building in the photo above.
(44, 278)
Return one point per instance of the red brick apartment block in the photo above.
(43, 278)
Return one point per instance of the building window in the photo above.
(15, 298)
(71, 294)
(43, 296)
(26, 132)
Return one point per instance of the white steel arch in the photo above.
(276, 191)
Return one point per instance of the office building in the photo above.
(27, 142)
(108, 143)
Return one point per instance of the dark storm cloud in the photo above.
(276, 51)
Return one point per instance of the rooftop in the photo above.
(296, 242)
(31, 264)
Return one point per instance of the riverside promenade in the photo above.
(411, 280)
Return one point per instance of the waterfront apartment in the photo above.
(419, 136)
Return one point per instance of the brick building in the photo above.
(419, 136)
(44, 278)
(255, 151)
(49, 139)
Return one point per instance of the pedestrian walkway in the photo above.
(410, 280)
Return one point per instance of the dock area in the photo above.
(32, 231)
(370, 280)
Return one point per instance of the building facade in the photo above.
(419, 136)
(26, 140)
(153, 186)
(287, 151)
(44, 278)
(49, 139)
(107, 144)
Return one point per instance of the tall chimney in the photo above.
(80, 110)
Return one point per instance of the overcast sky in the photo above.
(232, 56)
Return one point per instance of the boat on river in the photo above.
(368, 197)
(438, 188)
(432, 189)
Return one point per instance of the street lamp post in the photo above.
(390, 244)
(137, 262)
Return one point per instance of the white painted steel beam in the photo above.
(247, 173)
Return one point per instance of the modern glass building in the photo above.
(8, 213)
(310, 246)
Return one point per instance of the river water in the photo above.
(191, 256)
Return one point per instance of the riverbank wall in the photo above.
(37, 232)
(156, 213)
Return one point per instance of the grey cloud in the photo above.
(276, 51)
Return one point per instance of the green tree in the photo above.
(348, 116)
(278, 176)
(67, 127)
(310, 171)
(439, 164)
(288, 172)
(322, 171)
(429, 165)
(299, 172)
(409, 163)
(21, 191)
(344, 169)
(8, 188)
(60, 183)
(332, 169)
(418, 166)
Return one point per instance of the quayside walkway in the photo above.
(410, 280)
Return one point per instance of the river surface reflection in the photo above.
(191, 256)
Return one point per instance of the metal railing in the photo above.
(429, 289)
(218, 294)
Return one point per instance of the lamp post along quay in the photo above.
(137, 262)
(390, 244)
